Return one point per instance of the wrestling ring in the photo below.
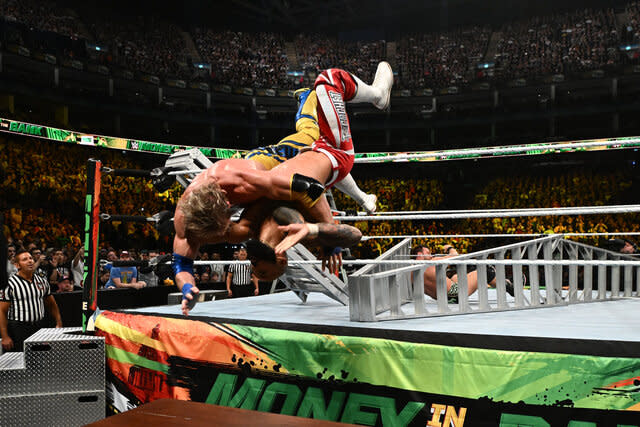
(546, 305)
(548, 336)
(555, 270)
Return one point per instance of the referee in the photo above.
(240, 278)
(24, 303)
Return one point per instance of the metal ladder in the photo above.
(188, 160)
(305, 278)
(558, 272)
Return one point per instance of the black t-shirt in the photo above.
(44, 271)
(63, 270)
(200, 269)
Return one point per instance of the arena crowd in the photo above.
(44, 203)
(566, 43)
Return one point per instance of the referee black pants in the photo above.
(242, 290)
(20, 331)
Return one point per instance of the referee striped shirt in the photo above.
(26, 298)
(241, 274)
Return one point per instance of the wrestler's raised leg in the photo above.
(309, 163)
(379, 92)
(307, 116)
(348, 186)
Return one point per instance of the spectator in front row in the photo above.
(218, 269)
(24, 303)
(124, 277)
(205, 268)
(42, 265)
(65, 284)
(103, 277)
(11, 253)
(77, 268)
(60, 266)
(146, 274)
(111, 256)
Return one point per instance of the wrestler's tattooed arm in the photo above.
(323, 234)
(337, 235)
(285, 216)
(328, 234)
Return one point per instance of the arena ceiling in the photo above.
(303, 14)
(384, 17)
(336, 16)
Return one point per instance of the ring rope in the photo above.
(437, 212)
(452, 261)
(447, 261)
(497, 151)
(221, 262)
(495, 235)
(501, 213)
(186, 172)
(466, 261)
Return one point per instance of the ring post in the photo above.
(91, 235)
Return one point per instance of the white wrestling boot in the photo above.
(383, 81)
(349, 187)
(379, 92)
(369, 203)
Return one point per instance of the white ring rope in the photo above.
(407, 212)
(466, 261)
(512, 235)
(187, 172)
(501, 213)
(452, 261)
(474, 211)
(497, 150)
(221, 262)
